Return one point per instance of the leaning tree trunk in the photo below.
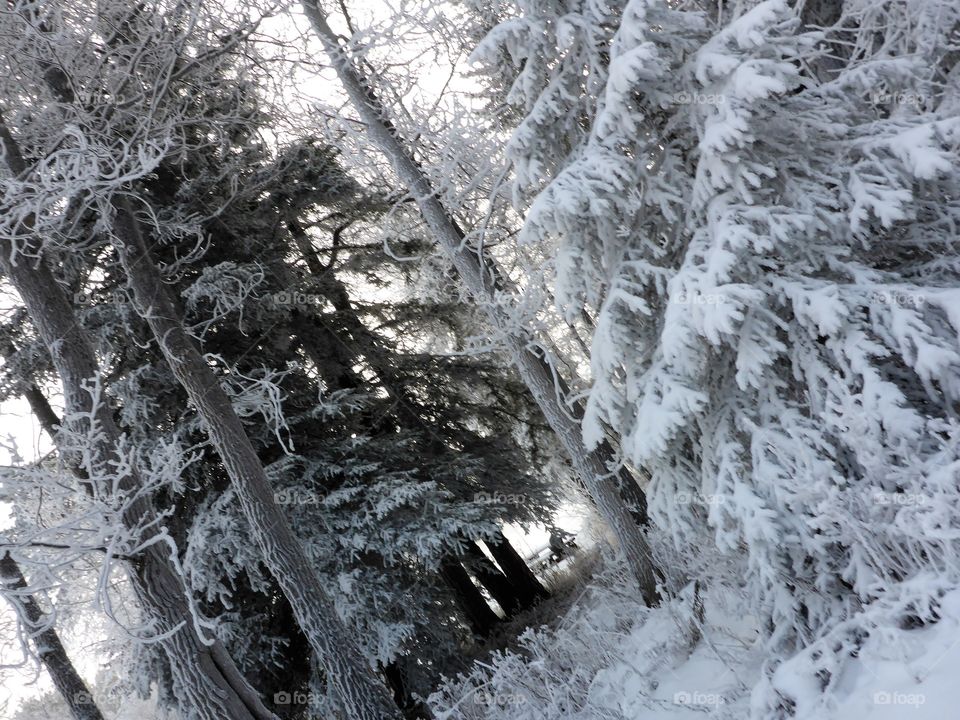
(205, 675)
(481, 278)
(516, 568)
(363, 695)
(13, 586)
(496, 583)
(480, 616)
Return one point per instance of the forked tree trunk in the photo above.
(361, 692)
(13, 587)
(205, 676)
(481, 278)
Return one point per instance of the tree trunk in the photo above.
(362, 693)
(47, 643)
(481, 278)
(205, 676)
(481, 617)
(497, 584)
(412, 708)
(516, 568)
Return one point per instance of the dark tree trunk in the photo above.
(516, 568)
(397, 686)
(496, 583)
(482, 619)
(47, 643)
(412, 709)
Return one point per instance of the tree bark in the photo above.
(480, 616)
(47, 643)
(362, 693)
(496, 583)
(412, 708)
(205, 676)
(482, 279)
(516, 568)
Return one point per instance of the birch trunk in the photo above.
(47, 643)
(481, 278)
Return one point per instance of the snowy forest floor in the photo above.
(608, 656)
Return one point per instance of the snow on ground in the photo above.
(906, 674)
(611, 658)
(660, 676)
(898, 674)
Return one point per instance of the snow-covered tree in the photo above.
(388, 449)
(41, 640)
(388, 457)
(485, 284)
(145, 45)
(755, 202)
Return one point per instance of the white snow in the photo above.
(648, 670)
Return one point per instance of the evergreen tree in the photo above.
(488, 287)
(398, 452)
(390, 460)
(754, 210)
